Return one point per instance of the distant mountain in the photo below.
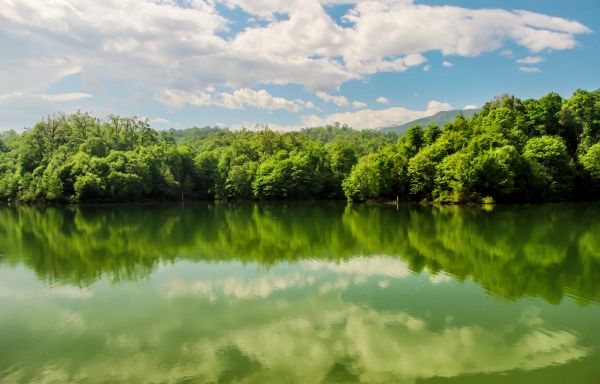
(439, 118)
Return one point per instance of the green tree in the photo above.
(88, 187)
(552, 169)
(431, 133)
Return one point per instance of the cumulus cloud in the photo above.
(179, 50)
(340, 101)
(165, 45)
(447, 64)
(306, 104)
(17, 108)
(470, 106)
(160, 121)
(382, 100)
(63, 97)
(530, 69)
(56, 97)
(507, 53)
(531, 60)
(261, 99)
(238, 99)
(179, 99)
(371, 119)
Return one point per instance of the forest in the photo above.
(512, 151)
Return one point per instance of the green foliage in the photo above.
(455, 174)
(512, 150)
(365, 181)
(431, 134)
(72, 158)
(495, 171)
(552, 171)
(94, 146)
(591, 162)
(378, 175)
(88, 187)
(413, 139)
(421, 173)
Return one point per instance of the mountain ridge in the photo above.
(440, 118)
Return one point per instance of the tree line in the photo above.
(513, 150)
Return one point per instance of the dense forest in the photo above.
(513, 150)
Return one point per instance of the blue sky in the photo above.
(287, 63)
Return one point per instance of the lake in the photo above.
(300, 293)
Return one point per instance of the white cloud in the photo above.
(65, 97)
(382, 100)
(54, 98)
(261, 99)
(179, 99)
(470, 106)
(414, 59)
(239, 99)
(371, 119)
(167, 46)
(529, 69)
(160, 121)
(260, 125)
(447, 64)
(427, 68)
(306, 104)
(507, 53)
(18, 108)
(119, 39)
(540, 21)
(340, 101)
(160, 46)
(531, 60)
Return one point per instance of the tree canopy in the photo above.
(513, 150)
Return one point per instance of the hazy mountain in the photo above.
(439, 118)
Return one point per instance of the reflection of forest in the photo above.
(538, 250)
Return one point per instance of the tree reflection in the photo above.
(545, 251)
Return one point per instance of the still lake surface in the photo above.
(300, 293)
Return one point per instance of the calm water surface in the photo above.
(300, 293)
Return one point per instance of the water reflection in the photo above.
(228, 322)
(544, 251)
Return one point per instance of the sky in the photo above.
(287, 63)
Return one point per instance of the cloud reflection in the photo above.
(246, 334)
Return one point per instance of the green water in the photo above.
(300, 293)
